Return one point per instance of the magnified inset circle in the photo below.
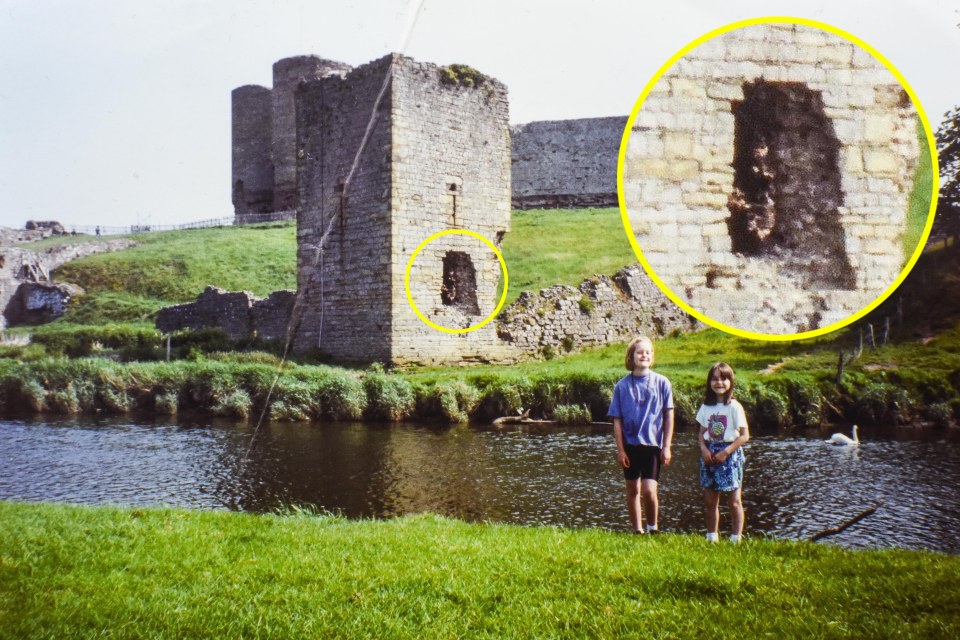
(461, 268)
(765, 178)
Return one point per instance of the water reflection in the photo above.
(795, 484)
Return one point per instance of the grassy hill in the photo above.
(175, 266)
(544, 248)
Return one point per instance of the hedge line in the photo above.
(240, 389)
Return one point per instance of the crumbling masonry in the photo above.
(767, 178)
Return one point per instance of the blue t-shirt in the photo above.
(640, 402)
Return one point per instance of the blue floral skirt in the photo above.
(726, 476)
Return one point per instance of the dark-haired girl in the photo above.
(723, 432)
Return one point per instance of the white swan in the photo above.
(841, 440)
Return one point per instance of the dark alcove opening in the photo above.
(787, 186)
(460, 283)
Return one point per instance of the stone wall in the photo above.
(602, 310)
(343, 226)
(566, 163)
(767, 177)
(240, 314)
(562, 318)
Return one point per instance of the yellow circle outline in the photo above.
(931, 148)
(472, 234)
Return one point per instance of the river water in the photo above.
(795, 484)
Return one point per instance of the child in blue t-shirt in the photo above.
(642, 412)
(723, 432)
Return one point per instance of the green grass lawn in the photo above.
(563, 246)
(175, 266)
(72, 572)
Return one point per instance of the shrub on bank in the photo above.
(69, 386)
(502, 396)
(452, 401)
(235, 404)
(882, 403)
(166, 403)
(766, 407)
(389, 397)
(294, 401)
(593, 390)
(572, 414)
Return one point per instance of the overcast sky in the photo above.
(118, 113)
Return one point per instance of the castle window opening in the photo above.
(454, 187)
(787, 185)
(459, 287)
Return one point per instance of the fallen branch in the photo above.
(849, 523)
(834, 407)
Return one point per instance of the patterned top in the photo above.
(722, 421)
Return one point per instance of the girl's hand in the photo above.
(624, 459)
(707, 456)
(721, 455)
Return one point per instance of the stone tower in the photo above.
(288, 75)
(252, 159)
(265, 137)
(436, 157)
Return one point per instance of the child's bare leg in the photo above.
(633, 503)
(648, 490)
(736, 512)
(711, 504)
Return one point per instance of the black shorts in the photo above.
(644, 462)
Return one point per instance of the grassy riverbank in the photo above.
(103, 356)
(913, 378)
(779, 385)
(70, 572)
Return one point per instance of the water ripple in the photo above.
(795, 485)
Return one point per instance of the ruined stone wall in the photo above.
(270, 316)
(602, 310)
(566, 163)
(288, 75)
(450, 171)
(240, 314)
(346, 311)
(252, 108)
(39, 302)
(815, 234)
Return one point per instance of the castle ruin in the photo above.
(375, 160)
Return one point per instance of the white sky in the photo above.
(118, 113)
